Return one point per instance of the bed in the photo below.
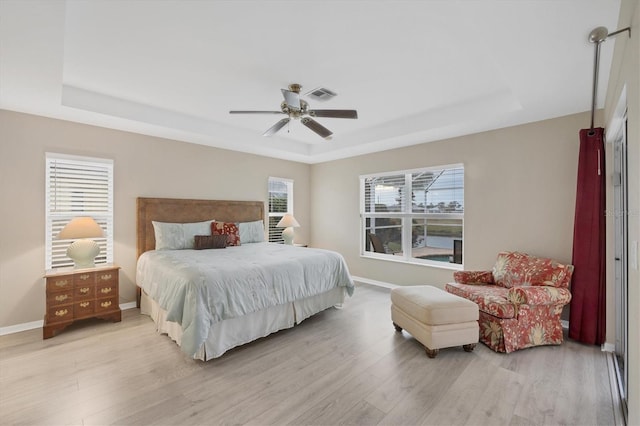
(209, 301)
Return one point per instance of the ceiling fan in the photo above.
(297, 108)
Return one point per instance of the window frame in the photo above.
(272, 236)
(406, 215)
(55, 250)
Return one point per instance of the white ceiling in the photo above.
(416, 71)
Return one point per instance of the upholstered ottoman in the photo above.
(436, 319)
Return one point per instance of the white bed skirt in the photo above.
(234, 332)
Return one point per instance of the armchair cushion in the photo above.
(540, 295)
(489, 298)
(513, 269)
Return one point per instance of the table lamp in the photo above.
(83, 251)
(288, 222)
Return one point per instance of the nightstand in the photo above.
(75, 294)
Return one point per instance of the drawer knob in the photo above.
(85, 277)
(106, 304)
(62, 283)
(84, 304)
(105, 277)
(84, 290)
(62, 312)
(62, 297)
(105, 290)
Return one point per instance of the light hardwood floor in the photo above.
(342, 366)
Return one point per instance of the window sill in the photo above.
(413, 261)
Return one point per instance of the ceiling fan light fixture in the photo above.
(296, 108)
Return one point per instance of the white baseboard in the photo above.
(373, 282)
(21, 327)
(608, 347)
(38, 324)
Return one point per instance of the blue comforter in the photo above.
(200, 287)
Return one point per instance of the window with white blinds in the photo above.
(77, 186)
(414, 215)
(280, 202)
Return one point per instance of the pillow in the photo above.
(196, 228)
(169, 236)
(178, 236)
(514, 269)
(251, 232)
(209, 242)
(229, 229)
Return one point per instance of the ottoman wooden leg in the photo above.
(431, 353)
(469, 347)
(397, 327)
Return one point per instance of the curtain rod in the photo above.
(597, 36)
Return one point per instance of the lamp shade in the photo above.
(288, 221)
(83, 251)
(81, 227)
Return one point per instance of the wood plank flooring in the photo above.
(342, 366)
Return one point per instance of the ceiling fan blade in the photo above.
(291, 98)
(279, 125)
(316, 127)
(256, 112)
(334, 113)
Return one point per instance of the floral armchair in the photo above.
(520, 300)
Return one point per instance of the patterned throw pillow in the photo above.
(514, 269)
(229, 229)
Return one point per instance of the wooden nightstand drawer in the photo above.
(107, 277)
(105, 305)
(84, 279)
(60, 298)
(107, 290)
(84, 308)
(60, 313)
(60, 282)
(84, 292)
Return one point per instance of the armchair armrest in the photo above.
(539, 295)
(473, 277)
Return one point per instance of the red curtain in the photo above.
(587, 315)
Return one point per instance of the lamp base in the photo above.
(83, 253)
(287, 235)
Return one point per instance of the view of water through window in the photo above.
(430, 202)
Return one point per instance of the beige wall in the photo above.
(625, 72)
(519, 195)
(143, 166)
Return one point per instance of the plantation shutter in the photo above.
(280, 203)
(77, 186)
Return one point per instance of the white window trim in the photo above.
(103, 217)
(405, 216)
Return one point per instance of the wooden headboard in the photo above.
(179, 210)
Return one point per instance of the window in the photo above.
(77, 186)
(280, 202)
(414, 215)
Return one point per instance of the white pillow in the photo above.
(193, 229)
(179, 236)
(251, 232)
